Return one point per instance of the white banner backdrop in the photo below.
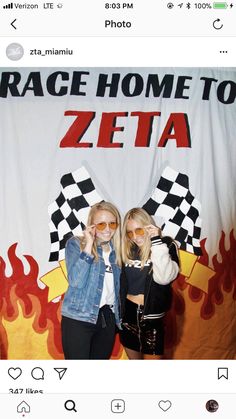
(126, 127)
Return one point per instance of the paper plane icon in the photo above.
(61, 372)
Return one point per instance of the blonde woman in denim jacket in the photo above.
(90, 310)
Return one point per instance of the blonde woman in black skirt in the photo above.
(150, 264)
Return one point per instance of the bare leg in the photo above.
(145, 356)
(133, 354)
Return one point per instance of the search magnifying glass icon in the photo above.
(70, 405)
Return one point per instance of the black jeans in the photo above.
(83, 340)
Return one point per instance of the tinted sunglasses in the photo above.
(101, 226)
(138, 232)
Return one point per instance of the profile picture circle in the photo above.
(14, 51)
(212, 406)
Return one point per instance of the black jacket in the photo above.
(157, 298)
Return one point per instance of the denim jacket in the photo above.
(86, 277)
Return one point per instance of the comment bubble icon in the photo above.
(37, 373)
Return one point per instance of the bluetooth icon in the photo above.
(188, 5)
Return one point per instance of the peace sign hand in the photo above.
(152, 230)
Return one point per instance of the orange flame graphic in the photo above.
(23, 289)
(222, 283)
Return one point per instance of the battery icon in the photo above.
(220, 5)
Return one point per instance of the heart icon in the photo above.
(164, 405)
(14, 373)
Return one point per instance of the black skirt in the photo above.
(145, 336)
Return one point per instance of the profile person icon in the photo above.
(212, 406)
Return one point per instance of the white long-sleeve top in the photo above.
(165, 270)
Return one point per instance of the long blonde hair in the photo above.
(143, 218)
(105, 206)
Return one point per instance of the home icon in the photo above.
(23, 407)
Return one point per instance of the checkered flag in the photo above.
(173, 201)
(69, 212)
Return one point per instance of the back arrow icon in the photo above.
(12, 24)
